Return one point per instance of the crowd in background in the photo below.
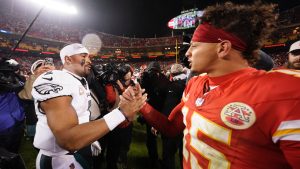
(26, 60)
(68, 33)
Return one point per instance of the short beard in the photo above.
(290, 66)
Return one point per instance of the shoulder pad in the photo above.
(52, 84)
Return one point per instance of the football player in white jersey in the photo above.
(62, 100)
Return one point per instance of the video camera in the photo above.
(9, 65)
(153, 80)
(10, 80)
(109, 73)
(106, 73)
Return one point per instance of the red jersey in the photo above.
(244, 120)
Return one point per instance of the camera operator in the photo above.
(125, 74)
(156, 85)
(117, 78)
(12, 112)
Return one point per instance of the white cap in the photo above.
(72, 49)
(295, 46)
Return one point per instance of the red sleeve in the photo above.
(291, 150)
(288, 132)
(171, 126)
(110, 94)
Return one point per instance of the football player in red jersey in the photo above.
(235, 116)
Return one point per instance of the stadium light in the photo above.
(49, 4)
(56, 5)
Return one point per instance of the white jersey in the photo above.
(53, 84)
(94, 109)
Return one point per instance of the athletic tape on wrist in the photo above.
(114, 118)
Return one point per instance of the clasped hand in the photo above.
(132, 100)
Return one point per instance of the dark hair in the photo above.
(251, 23)
(123, 69)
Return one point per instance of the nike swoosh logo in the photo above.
(48, 78)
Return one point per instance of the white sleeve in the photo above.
(52, 84)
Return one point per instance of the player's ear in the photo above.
(68, 60)
(223, 48)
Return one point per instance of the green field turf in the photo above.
(137, 156)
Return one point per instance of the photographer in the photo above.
(156, 85)
(12, 112)
(125, 74)
(116, 80)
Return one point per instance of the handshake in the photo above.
(132, 100)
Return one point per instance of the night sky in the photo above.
(143, 18)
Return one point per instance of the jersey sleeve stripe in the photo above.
(292, 124)
(287, 129)
(286, 132)
(291, 137)
(295, 137)
(293, 134)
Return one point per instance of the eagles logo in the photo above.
(46, 88)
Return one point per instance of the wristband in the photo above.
(114, 118)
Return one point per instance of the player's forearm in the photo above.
(160, 122)
(25, 93)
(74, 139)
(82, 135)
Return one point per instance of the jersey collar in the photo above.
(81, 79)
(73, 74)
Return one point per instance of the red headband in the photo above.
(207, 33)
